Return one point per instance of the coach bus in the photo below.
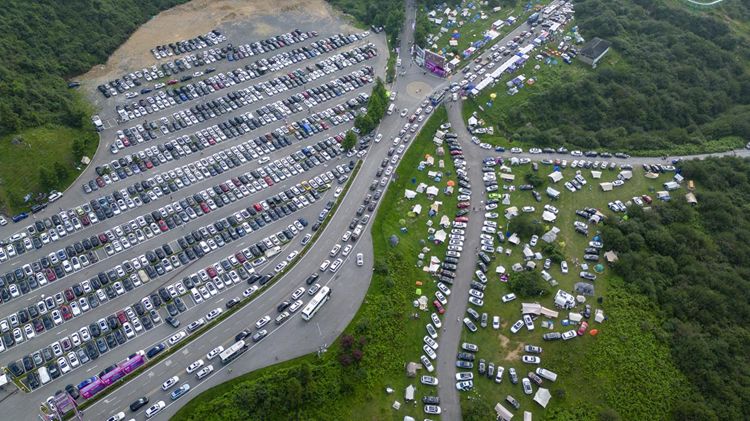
(131, 364)
(316, 303)
(233, 352)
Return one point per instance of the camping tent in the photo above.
(410, 194)
(542, 397)
(596, 174)
(548, 216)
(575, 317)
(511, 212)
(432, 191)
(445, 221)
(606, 186)
(417, 209)
(409, 393)
(584, 288)
(555, 176)
(440, 236)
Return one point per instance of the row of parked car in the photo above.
(214, 275)
(171, 97)
(185, 46)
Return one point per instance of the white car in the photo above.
(155, 408)
(496, 322)
(214, 352)
(531, 359)
(194, 366)
(508, 297)
(569, 335)
(177, 337)
(516, 326)
(436, 320)
(169, 383)
(528, 321)
(564, 266)
(360, 259)
(262, 321)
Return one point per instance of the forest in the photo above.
(44, 43)
(386, 13)
(676, 76)
(694, 264)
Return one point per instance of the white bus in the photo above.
(391, 108)
(316, 303)
(233, 352)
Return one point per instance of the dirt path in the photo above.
(512, 354)
(241, 21)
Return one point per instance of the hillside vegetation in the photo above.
(694, 264)
(680, 77)
(45, 42)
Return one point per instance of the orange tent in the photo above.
(594, 332)
(451, 183)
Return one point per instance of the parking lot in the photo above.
(239, 164)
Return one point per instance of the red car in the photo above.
(50, 274)
(103, 238)
(439, 307)
(172, 82)
(646, 198)
(85, 220)
(122, 317)
(163, 225)
(582, 329)
(462, 219)
(211, 272)
(268, 180)
(67, 314)
(205, 208)
(149, 165)
(463, 205)
(258, 207)
(240, 257)
(100, 182)
(69, 295)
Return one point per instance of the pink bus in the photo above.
(92, 389)
(128, 366)
(113, 376)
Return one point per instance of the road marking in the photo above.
(168, 363)
(185, 351)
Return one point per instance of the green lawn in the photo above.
(33, 149)
(592, 370)
(471, 30)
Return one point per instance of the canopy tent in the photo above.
(417, 209)
(575, 317)
(625, 175)
(542, 397)
(599, 315)
(607, 186)
(555, 176)
(548, 216)
(502, 413)
(596, 174)
(410, 194)
(445, 221)
(432, 191)
(440, 236)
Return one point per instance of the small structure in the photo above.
(445, 222)
(610, 256)
(417, 209)
(411, 369)
(409, 393)
(555, 176)
(607, 186)
(85, 160)
(513, 239)
(502, 413)
(507, 177)
(584, 288)
(552, 193)
(625, 175)
(396, 405)
(548, 216)
(511, 212)
(440, 236)
(671, 185)
(594, 51)
(421, 187)
(596, 174)
(432, 191)
(691, 199)
(599, 315)
(551, 235)
(542, 397)
(575, 317)
(410, 194)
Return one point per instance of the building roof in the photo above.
(595, 48)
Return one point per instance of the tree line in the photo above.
(45, 43)
(386, 13)
(694, 264)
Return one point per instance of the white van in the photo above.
(546, 374)
(391, 108)
(43, 375)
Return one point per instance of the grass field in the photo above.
(592, 370)
(20, 161)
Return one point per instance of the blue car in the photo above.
(87, 382)
(179, 391)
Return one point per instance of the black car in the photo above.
(102, 345)
(430, 400)
(242, 335)
(72, 391)
(138, 404)
(16, 369)
(180, 304)
(155, 350)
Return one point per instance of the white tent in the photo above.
(542, 397)
(472, 121)
(507, 177)
(526, 416)
(502, 413)
(417, 209)
(531, 308)
(625, 175)
(410, 194)
(575, 317)
(606, 186)
(599, 315)
(555, 176)
(440, 236)
(432, 191)
(511, 212)
(596, 174)
(445, 221)
(513, 239)
(548, 216)
(500, 269)
(409, 393)
(421, 187)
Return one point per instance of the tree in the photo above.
(525, 226)
(47, 179)
(60, 171)
(534, 179)
(79, 148)
(350, 141)
(528, 284)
